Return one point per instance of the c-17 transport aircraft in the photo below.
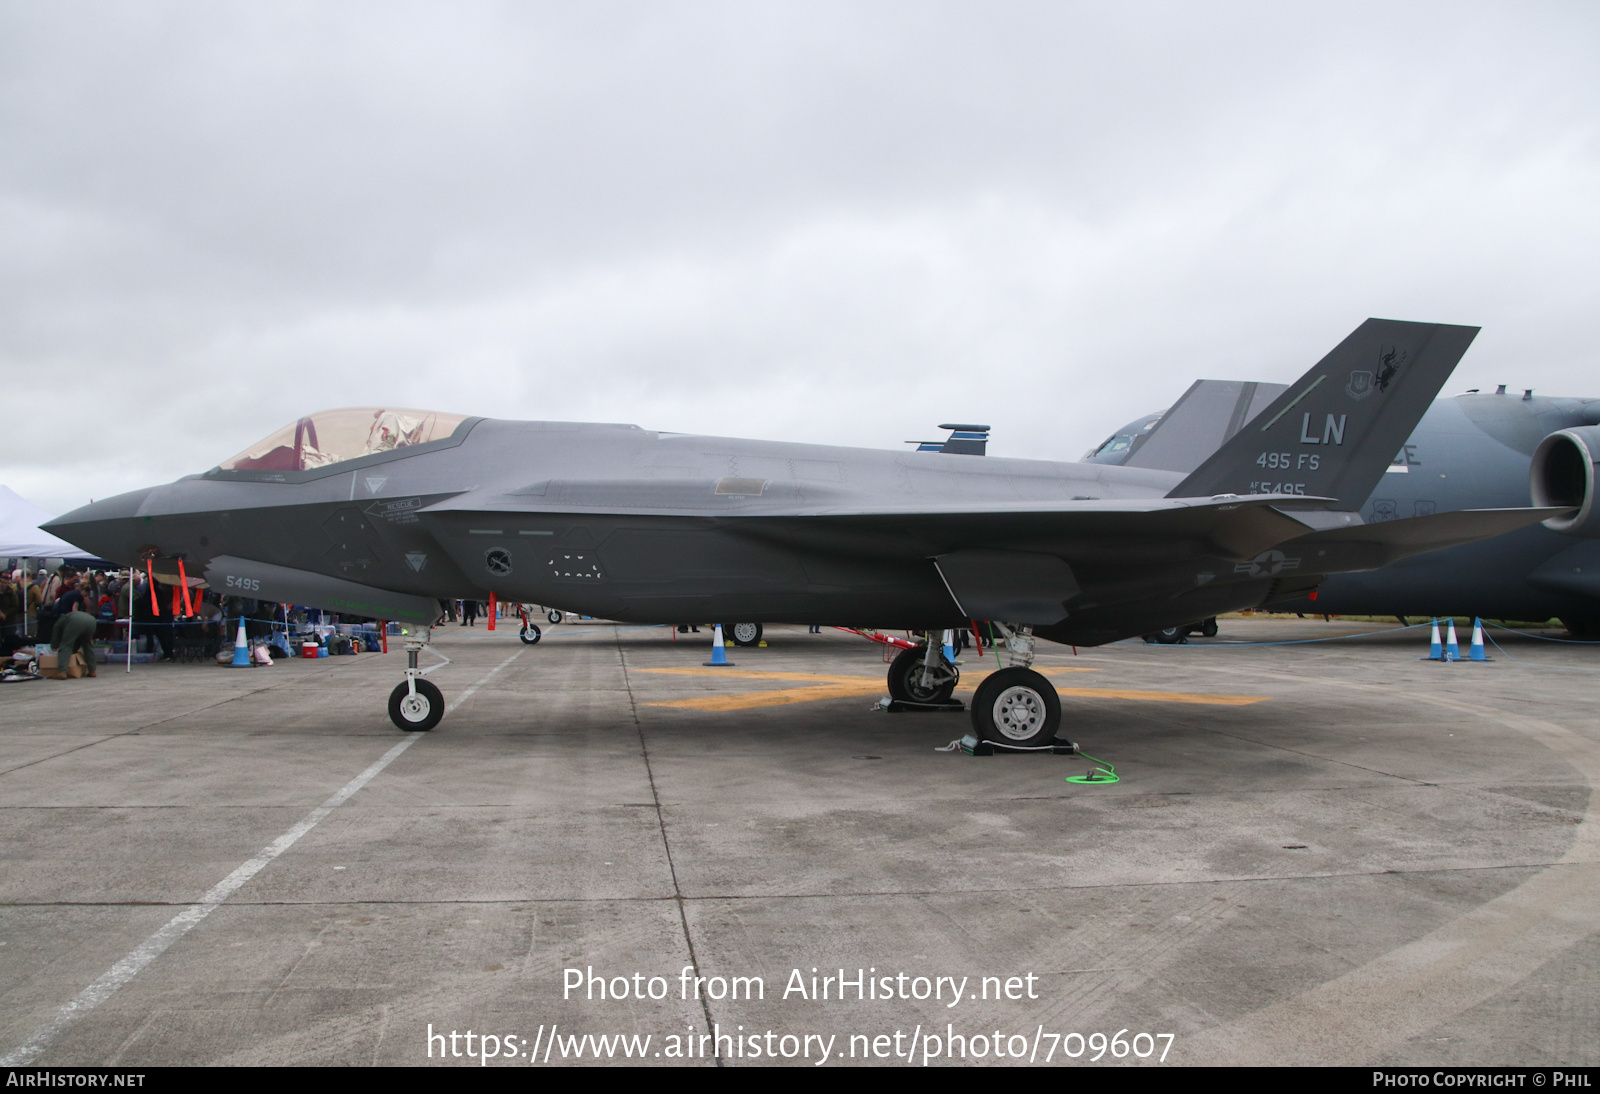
(378, 512)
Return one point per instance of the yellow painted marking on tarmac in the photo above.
(820, 678)
(823, 686)
(777, 698)
(1164, 696)
(824, 678)
(1047, 670)
(972, 680)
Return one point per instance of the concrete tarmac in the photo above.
(1325, 853)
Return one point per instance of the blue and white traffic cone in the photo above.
(950, 646)
(241, 649)
(1435, 650)
(1478, 653)
(719, 656)
(1452, 648)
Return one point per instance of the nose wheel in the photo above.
(417, 710)
(415, 705)
(916, 676)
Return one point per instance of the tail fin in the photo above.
(1334, 430)
(1207, 416)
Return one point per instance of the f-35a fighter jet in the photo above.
(378, 512)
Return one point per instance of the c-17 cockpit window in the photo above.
(1115, 444)
(333, 436)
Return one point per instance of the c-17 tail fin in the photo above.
(1333, 432)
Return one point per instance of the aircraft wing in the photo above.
(1080, 530)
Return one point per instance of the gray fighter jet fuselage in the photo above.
(377, 512)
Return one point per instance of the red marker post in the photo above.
(183, 583)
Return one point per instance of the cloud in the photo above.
(835, 223)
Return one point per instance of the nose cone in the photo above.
(106, 528)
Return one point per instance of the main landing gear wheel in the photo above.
(1016, 707)
(905, 678)
(743, 634)
(553, 616)
(1583, 628)
(531, 633)
(418, 712)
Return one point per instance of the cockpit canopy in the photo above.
(334, 436)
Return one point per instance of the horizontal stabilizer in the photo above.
(1335, 430)
(1370, 546)
(263, 580)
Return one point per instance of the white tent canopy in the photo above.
(20, 535)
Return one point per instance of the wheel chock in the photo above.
(905, 706)
(973, 745)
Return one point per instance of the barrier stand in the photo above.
(1452, 648)
(719, 656)
(1477, 653)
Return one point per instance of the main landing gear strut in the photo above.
(1016, 706)
(416, 705)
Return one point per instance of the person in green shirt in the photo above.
(74, 632)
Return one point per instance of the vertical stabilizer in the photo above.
(1207, 416)
(1334, 431)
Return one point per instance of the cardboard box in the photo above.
(48, 666)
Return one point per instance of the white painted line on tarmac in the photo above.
(490, 675)
(180, 924)
(1414, 989)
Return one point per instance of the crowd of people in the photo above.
(32, 604)
(69, 606)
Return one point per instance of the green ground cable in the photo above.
(1103, 775)
(994, 646)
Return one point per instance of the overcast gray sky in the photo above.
(841, 223)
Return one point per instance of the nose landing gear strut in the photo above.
(416, 705)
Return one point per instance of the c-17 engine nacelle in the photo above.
(1563, 473)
